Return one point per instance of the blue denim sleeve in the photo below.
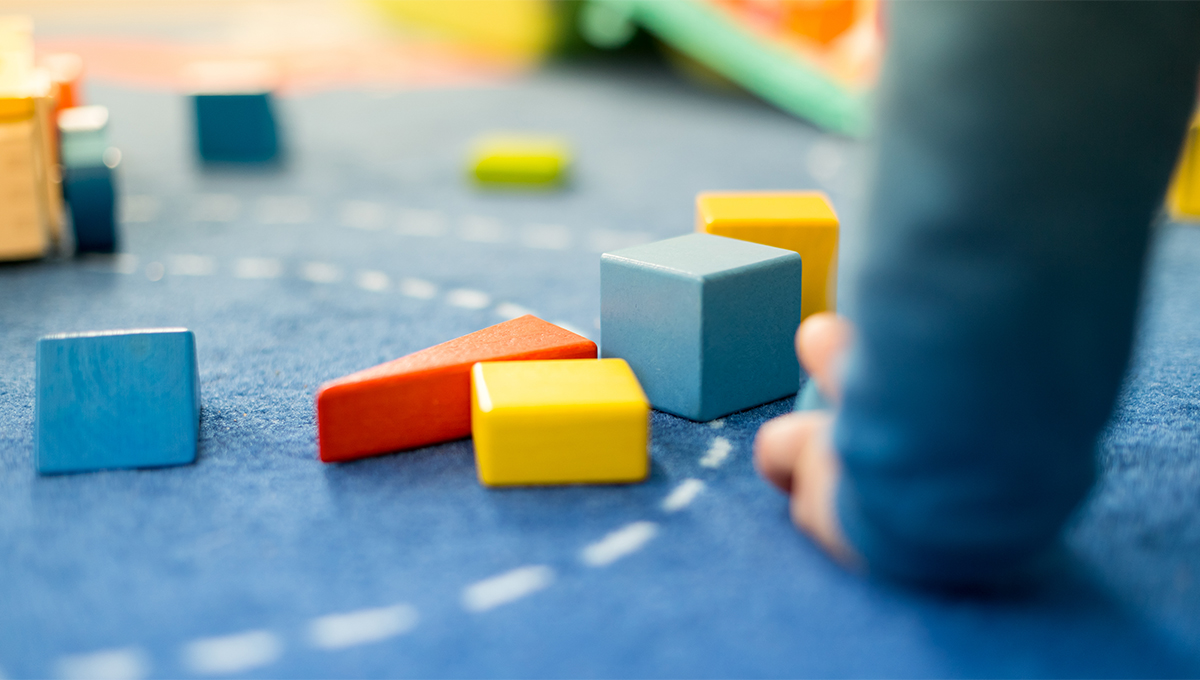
(1023, 149)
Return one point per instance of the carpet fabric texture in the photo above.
(295, 275)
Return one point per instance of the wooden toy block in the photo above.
(425, 397)
(87, 180)
(31, 147)
(582, 421)
(116, 399)
(800, 221)
(83, 131)
(520, 160)
(24, 230)
(1183, 195)
(706, 322)
(92, 199)
(45, 102)
(16, 52)
(236, 127)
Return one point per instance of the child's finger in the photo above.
(814, 488)
(779, 444)
(821, 342)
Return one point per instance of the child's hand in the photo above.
(794, 452)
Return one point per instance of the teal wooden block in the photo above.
(83, 136)
(116, 399)
(706, 322)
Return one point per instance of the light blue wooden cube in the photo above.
(116, 399)
(706, 322)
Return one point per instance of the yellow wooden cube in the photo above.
(511, 159)
(802, 221)
(569, 421)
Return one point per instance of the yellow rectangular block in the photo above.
(23, 232)
(1183, 195)
(569, 421)
(802, 221)
(513, 159)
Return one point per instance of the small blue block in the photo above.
(116, 399)
(706, 322)
(236, 128)
(90, 195)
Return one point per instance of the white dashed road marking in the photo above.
(320, 272)
(468, 298)
(717, 452)
(139, 208)
(366, 215)
(338, 631)
(216, 208)
(418, 288)
(124, 263)
(372, 280)
(546, 237)
(507, 587)
(421, 223)
(284, 210)
(127, 663)
(605, 240)
(624, 541)
(482, 230)
(510, 311)
(232, 653)
(683, 495)
(716, 424)
(192, 265)
(257, 268)
(155, 271)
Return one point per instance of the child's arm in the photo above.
(1023, 151)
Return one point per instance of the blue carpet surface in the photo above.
(367, 244)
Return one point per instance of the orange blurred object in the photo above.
(425, 397)
(66, 71)
(820, 20)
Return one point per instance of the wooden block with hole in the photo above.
(425, 398)
(801, 221)
(559, 422)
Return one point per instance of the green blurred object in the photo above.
(772, 71)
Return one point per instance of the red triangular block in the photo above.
(425, 397)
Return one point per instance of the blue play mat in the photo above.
(367, 244)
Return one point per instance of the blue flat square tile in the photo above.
(116, 399)
(236, 128)
(706, 322)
